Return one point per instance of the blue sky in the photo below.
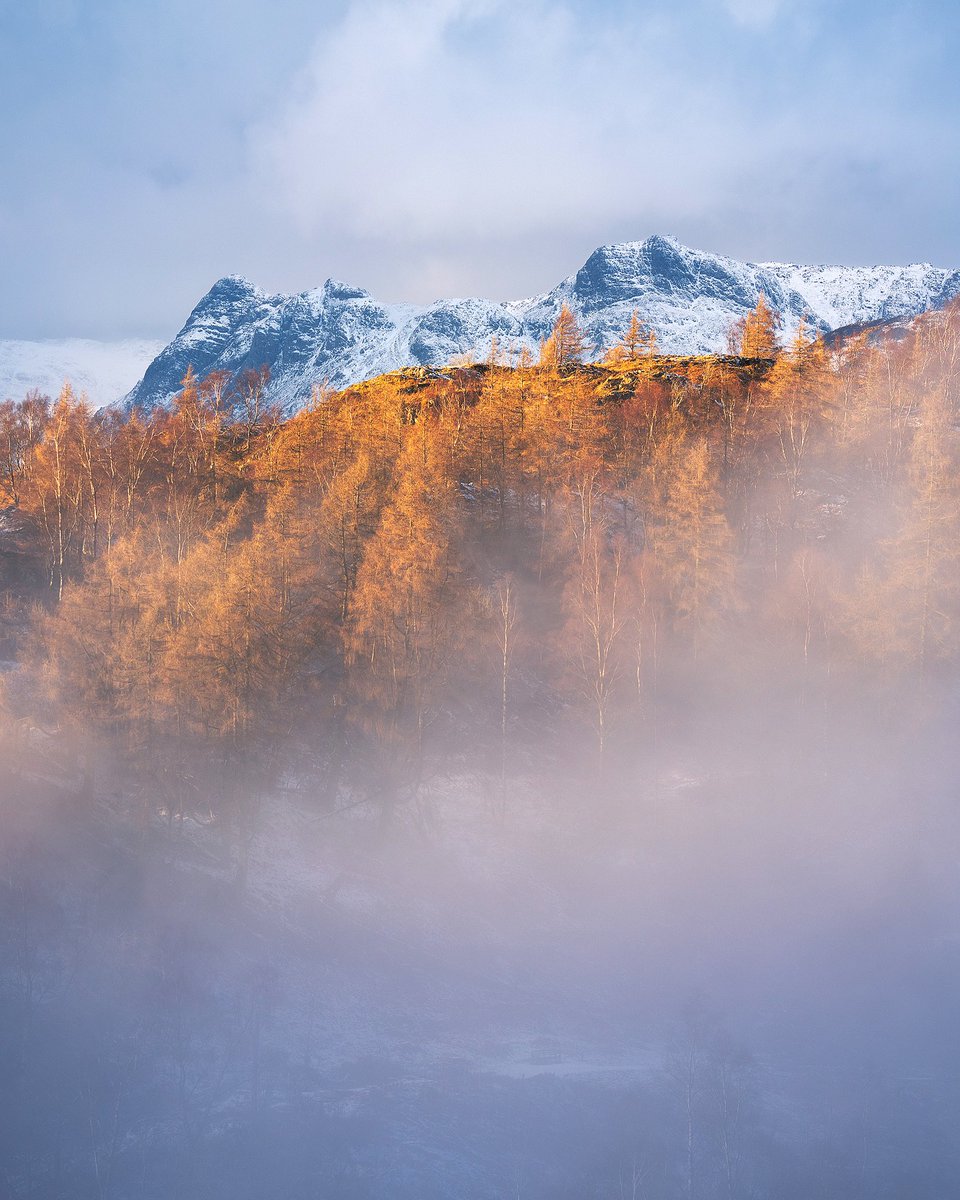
(454, 147)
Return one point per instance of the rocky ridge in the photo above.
(338, 334)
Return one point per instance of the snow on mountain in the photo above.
(339, 334)
(103, 371)
(853, 295)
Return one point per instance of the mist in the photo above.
(417, 799)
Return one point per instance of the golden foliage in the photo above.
(217, 582)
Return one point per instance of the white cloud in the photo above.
(756, 14)
(453, 146)
(460, 119)
(431, 147)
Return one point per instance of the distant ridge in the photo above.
(340, 334)
(102, 371)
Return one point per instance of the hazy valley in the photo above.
(527, 778)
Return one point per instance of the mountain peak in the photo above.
(657, 241)
(624, 270)
(233, 287)
(340, 334)
(336, 289)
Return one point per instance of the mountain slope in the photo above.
(338, 334)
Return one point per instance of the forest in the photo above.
(628, 685)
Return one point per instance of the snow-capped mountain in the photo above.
(338, 334)
(102, 371)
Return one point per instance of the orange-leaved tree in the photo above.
(567, 343)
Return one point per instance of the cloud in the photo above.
(471, 147)
(483, 146)
(464, 120)
(755, 14)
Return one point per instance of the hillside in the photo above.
(488, 779)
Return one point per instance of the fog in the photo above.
(680, 927)
(538, 1003)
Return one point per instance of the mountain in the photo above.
(339, 334)
(103, 371)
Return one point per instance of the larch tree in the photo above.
(923, 557)
(594, 603)
(59, 495)
(756, 335)
(693, 545)
(346, 521)
(796, 390)
(567, 343)
(22, 425)
(638, 341)
(401, 617)
(500, 605)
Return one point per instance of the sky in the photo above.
(431, 148)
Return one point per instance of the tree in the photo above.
(59, 493)
(256, 412)
(22, 425)
(714, 1088)
(795, 394)
(692, 543)
(638, 340)
(566, 345)
(399, 633)
(923, 557)
(502, 606)
(594, 604)
(347, 519)
(756, 335)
